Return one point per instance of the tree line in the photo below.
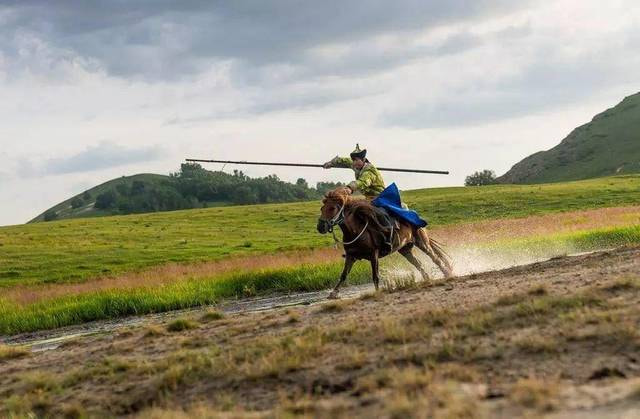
(195, 187)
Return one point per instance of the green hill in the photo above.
(191, 187)
(608, 145)
(87, 199)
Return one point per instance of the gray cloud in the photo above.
(549, 81)
(267, 49)
(293, 98)
(104, 155)
(165, 40)
(361, 59)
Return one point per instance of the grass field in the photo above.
(52, 312)
(74, 250)
(114, 303)
(43, 266)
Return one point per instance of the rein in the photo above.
(352, 241)
(338, 220)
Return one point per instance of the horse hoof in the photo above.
(333, 295)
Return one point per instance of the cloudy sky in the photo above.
(92, 90)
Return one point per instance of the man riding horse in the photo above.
(368, 182)
(368, 231)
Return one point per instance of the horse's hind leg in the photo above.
(408, 254)
(438, 257)
(348, 264)
(375, 269)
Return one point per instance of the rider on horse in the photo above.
(368, 181)
(376, 228)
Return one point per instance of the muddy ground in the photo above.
(558, 338)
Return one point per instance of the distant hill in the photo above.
(191, 187)
(608, 145)
(87, 199)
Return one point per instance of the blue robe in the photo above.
(389, 199)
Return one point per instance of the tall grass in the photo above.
(109, 304)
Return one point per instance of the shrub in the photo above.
(486, 177)
(50, 215)
(106, 200)
(179, 325)
(77, 202)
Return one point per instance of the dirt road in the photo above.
(556, 338)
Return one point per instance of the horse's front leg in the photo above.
(348, 264)
(375, 271)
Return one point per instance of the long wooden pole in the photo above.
(386, 169)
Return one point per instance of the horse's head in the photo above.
(331, 212)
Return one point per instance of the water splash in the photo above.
(472, 259)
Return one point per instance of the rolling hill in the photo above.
(191, 187)
(608, 145)
(65, 209)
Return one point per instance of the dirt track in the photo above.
(558, 337)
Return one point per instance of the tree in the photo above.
(106, 199)
(86, 196)
(137, 187)
(302, 183)
(486, 177)
(77, 202)
(50, 215)
(123, 189)
(323, 187)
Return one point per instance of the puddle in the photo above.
(52, 339)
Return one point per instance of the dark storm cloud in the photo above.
(167, 40)
(105, 155)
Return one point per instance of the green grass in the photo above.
(566, 243)
(110, 304)
(74, 250)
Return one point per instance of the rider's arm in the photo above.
(338, 162)
(363, 182)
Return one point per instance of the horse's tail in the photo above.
(438, 249)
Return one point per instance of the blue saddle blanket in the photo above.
(389, 199)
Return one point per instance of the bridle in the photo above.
(338, 220)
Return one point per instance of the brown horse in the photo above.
(365, 237)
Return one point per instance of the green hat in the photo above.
(357, 153)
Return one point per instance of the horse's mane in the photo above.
(339, 196)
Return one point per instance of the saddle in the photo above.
(391, 224)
